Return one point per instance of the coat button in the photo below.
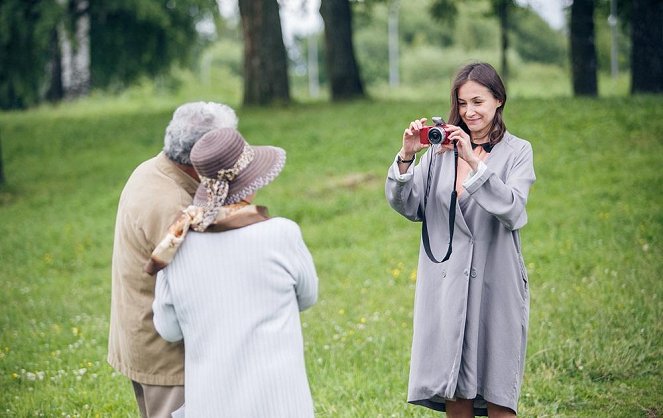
(473, 272)
(444, 274)
(466, 272)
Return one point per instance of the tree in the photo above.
(265, 59)
(647, 46)
(501, 8)
(75, 46)
(57, 48)
(134, 38)
(392, 30)
(2, 170)
(447, 9)
(342, 68)
(583, 49)
(68, 71)
(25, 38)
(534, 40)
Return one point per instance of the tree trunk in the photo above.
(647, 46)
(342, 68)
(69, 68)
(75, 47)
(55, 91)
(583, 49)
(394, 60)
(2, 169)
(503, 8)
(265, 60)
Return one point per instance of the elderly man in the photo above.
(155, 192)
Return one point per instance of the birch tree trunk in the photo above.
(75, 51)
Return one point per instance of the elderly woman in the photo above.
(231, 284)
(472, 298)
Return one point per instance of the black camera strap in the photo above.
(452, 211)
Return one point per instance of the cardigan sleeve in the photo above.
(303, 269)
(506, 200)
(165, 317)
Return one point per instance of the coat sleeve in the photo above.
(165, 317)
(506, 200)
(303, 269)
(404, 192)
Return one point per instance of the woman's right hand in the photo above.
(411, 143)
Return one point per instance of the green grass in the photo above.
(593, 249)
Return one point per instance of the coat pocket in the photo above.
(523, 270)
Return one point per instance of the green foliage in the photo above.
(593, 247)
(476, 27)
(418, 26)
(221, 55)
(128, 39)
(131, 38)
(370, 40)
(444, 10)
(603, 40)
(535, 40)
(432, 48)
(26, 29)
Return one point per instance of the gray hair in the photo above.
(190, 122)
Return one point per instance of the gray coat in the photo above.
(470, 312)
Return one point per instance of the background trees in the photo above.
(342, 68)
(265, 60)
(69, 63)
(583, 50)
(2, 168)
(26, 34)
(647, 51)
(502, 10)
(55, 49)
(133, 38)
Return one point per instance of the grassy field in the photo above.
(593, 248)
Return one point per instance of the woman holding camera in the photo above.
(471, 306)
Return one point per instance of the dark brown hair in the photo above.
(487, 76)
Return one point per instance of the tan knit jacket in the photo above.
(152, 197)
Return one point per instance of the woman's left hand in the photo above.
(462, 139)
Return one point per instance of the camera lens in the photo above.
(436, 135)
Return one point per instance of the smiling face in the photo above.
(477, 107)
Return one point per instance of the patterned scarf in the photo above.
(226, 218)
(217, 189)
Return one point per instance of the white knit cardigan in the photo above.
(234, 297)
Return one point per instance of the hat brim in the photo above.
(265, 167)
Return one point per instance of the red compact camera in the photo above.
(434, 134)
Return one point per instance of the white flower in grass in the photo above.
(31, 376)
